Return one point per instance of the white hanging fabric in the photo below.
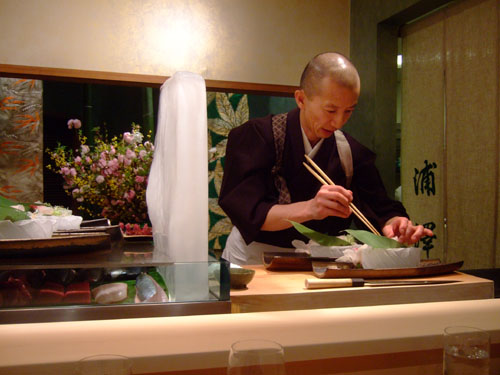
(177, 193)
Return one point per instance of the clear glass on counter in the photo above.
(123, 281)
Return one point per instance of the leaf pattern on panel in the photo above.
(10, 192)
(218, 174)
(21, 139)
(242, 111)
(10, 147)
(225, 109)
(210, 97)
(30, 122)
(218, 130)
(28, 165)
(214, 207)
(9, 103)
(220, 126)
(222, 226)
(30, 82)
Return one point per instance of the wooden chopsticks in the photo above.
(325, 180)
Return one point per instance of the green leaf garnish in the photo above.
(320, 238)
(9, 213)
(377, 242)
(12, 214)
(4, 202)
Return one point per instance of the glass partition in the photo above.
(82, 283)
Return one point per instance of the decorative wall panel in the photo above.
(225, 111)
(454, 55)
(422, 157)
(471, 33)
(21, 139)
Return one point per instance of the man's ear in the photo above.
(300, 97)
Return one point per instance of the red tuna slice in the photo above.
(50, 293)
(77, 293)
(15, 292)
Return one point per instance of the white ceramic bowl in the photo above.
(405, 257)
(26, 229)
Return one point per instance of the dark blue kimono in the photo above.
(248, 190)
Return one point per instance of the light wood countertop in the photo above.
(285, 290)
(372, 340)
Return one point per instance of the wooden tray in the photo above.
(58, 244)
(136, 237)
(324, 271)
(290, 261)
(113, 230)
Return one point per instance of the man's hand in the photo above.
(330, 200)
(404, 230)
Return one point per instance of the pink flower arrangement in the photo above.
(110, 176)
(74, 123)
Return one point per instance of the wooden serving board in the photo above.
(57, 244)
(324, 270)
(290, 261)
(114, 231)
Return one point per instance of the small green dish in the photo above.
(240, 277)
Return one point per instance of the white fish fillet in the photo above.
(110, 293)
(159, 296)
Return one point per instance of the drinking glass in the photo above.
(105, 364)
(466, 351)
(256, 357)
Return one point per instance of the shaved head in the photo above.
(332, 65)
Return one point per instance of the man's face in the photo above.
(327, 111)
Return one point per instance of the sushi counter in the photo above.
(113, 301)
(279, 291)
(371, 340)
(127, 280)
(120, 281)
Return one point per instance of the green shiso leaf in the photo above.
(4, 202)
(322, 239)
(9, 213)
(377, 242)
(12, 214)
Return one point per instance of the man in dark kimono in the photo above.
(252, 194)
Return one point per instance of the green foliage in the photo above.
(9, 213)
(320, 238)
(362, 236)
(377, 242)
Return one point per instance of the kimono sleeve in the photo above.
(247, 190)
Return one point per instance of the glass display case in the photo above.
(73, 277)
